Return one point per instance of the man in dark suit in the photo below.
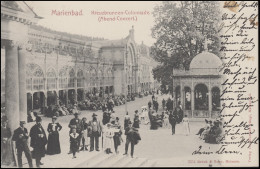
(133, 137)
(172, 120)
(38, 141)
(20, 137)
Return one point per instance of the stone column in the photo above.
(184, 99)
(181, 93)
(22, 84)
(12, 85)
(67, 97)
(192, 102)
(210, 103)
(76, 88)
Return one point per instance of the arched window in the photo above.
(93, 77)
(201, 97)
(63, 78)
(51, 79)
(177, 95)
(80, 80)
(187, 94)
(71, 78)
(38, 81)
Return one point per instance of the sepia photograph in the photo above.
(129, 84)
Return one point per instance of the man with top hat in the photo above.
(132, 137)
(75, 123)
(20, 137)
(95, 130)
(38, 141)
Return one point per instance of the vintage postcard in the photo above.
(129, 84)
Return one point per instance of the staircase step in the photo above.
(126, 161)
(115, 161)
(101, 159)
(102, 162)
(149, 163)
(138, 162)
(92, 156)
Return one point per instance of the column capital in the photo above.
(12, 43)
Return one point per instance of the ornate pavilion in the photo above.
(198, 90)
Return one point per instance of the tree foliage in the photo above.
(180, 29)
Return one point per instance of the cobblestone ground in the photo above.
(158, 145)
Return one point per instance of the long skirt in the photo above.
(6, 152)
(53, 146)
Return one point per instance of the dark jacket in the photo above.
(172, 119)
(132, 135)
(21, 143)
(38, 143)
(75, 123)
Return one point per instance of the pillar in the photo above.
(67, 97)
(181, 93)
(12, 85)
(192, 101)
(184, 99)
(210, 103)
(22, 84)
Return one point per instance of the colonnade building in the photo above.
(39, 65)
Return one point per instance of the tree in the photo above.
(180, 29)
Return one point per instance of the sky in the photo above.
(88, 24)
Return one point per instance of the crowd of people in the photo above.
(211, 132)
(85, 135)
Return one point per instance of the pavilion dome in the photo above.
(205, 60)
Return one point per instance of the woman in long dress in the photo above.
(109, 133)
(6, 154)
(186, 124)
(53, 146)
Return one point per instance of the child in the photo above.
(108, 138)
(186, 125)
(74, 142)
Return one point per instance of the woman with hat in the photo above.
(38, 141)
(53, 146)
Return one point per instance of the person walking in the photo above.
(20, 137)
(74, 141)
(75, 123)
(126, 120)
(6, 154)
(132, 137)
(84, 132)
(117, 135)
(95, 130)
(186, 125)
(149, 104)
(38, 141)
(53, 146)
(108, 133)
(172, 121)
(136, 120)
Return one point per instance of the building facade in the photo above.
(63, 66)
